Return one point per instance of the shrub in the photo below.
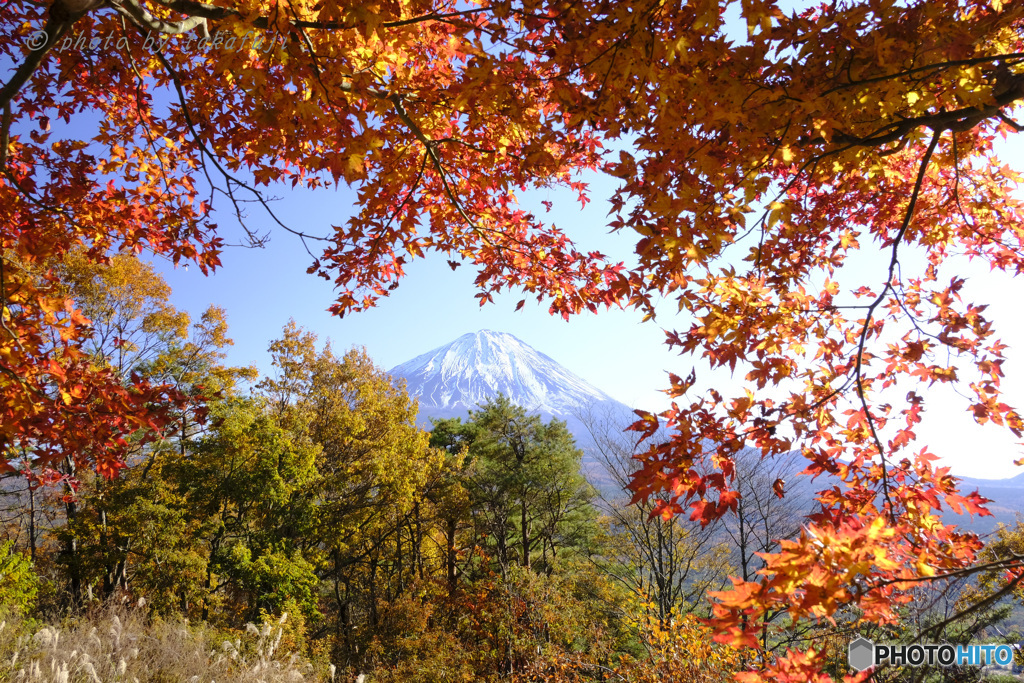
(19, 584)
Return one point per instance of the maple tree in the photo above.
(751, 167)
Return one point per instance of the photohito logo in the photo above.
(864, 654)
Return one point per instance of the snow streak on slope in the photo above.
(465, 373)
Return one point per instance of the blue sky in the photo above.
(263, 288)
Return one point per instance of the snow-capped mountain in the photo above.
(459, 376)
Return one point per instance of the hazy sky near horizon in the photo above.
(264, 288)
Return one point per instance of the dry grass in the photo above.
(116, 644)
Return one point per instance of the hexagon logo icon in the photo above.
(861, 654)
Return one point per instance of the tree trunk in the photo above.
(450, 542)
(373, 592)
(31, 521)
(70, 549)
(419, 543)
(525, 527)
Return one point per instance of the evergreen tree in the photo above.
(525, 475)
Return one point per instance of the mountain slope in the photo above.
(463, 374)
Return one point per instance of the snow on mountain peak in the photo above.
(467, 371)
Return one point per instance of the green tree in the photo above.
(18, 582)
(373, 465)
(450, 496)
(115, 531)
(526, 479)
(246, 481)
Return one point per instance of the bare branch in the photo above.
(1006, 590)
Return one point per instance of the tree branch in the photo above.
(957, 120)
(926, 67)
(139, 15)
(894, 259)
(54, 29)
(207, 11)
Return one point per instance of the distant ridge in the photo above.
(457, 377)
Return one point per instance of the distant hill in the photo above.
(1007, 496)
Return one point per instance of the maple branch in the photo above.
(143, 118)
(60, 20)
(959, 204)
(811, 163)
(410, 193)
(913, 318)
(3, 306)
(141, 17)
(894, 259)
(5, 134)
(429, 153)
(39, 203)
(957, 120)
(1014, 561)
(927, 67)
(431, 150)
(229, 178)
(317, 71)
(207, 11)
(3, 323)
(468, 145)
(57, 24)
(21, 380)
(1011, 123)
(902, 145)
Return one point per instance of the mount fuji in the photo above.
(458, 377)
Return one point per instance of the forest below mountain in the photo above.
(300, 525)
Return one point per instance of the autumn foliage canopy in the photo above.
(756, 147)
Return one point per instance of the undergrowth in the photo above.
(116, 643)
